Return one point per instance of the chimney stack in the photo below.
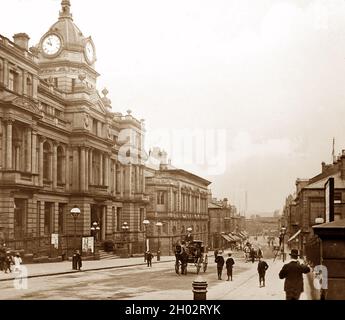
(21, 40)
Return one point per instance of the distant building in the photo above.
(178, 199)
(302, 210)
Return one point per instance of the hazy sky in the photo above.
(268, 74)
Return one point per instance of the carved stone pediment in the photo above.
(26, 104)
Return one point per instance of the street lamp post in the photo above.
(125, 229)
(145, 223)
(282, 236)
(75, 212)
(159, 225)
(95, 229)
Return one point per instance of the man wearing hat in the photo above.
(220, 264)
(293, 272)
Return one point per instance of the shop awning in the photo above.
(295, 235)
(231, 238)
(226, 237)
(236, 237)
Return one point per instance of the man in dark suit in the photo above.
(293, 272)
(262, 268)
(229, 266)
(220, 264)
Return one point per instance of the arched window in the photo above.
(197, 228)
(174, 230)
(18, 155)
(47, 162)
(60, 165)
(29, 87)
(96, 159)
(183, 230)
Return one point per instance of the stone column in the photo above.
(121, 180)
(75, 169)
(114, 176)
(54, 162)
(137, 179)
(28, 150)
(33, 151)
(9, 127)
(101, 169)
(106, 170)
(17, 157)
(82, 169)
(34, 86)
(87, 165)
(67, 169)
(40, 161)
(143, 182)
(91, 167)
(6, 73)
(25, 89)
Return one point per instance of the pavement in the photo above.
(245, 286)
(61, 268)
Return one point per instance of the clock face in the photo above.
(51, 44)
(90, 52)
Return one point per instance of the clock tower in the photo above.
(66, 57)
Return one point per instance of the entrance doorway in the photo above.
(98, 215)
(20, 210)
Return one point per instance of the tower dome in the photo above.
(65, 53)
(64, 36)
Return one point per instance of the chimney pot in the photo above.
(21, 40)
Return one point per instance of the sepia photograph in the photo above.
(159, 150)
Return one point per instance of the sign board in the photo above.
(55, 240)
(329, 200)
(88, 245)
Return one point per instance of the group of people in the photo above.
(229, 263)
(292, 272)
(7, 260)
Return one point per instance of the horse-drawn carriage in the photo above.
(193, 253)
(251, 253)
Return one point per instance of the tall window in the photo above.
(47, 162)
(29, 90)
(142, 218)
(161, 197)
(60, 165)
(94, 126)
(61, 218)
(118, 218)
(48, 218)
(12, 81)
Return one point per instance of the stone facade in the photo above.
(62, 146)
(308, 203)
(178, 199)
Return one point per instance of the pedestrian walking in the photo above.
(262, 268)
(229, 266)
(79, 260)
(220, 264)
(17, 260)
(293, 272)
(252, 255)
(8, 262)
(260, 254)
(149, 257)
